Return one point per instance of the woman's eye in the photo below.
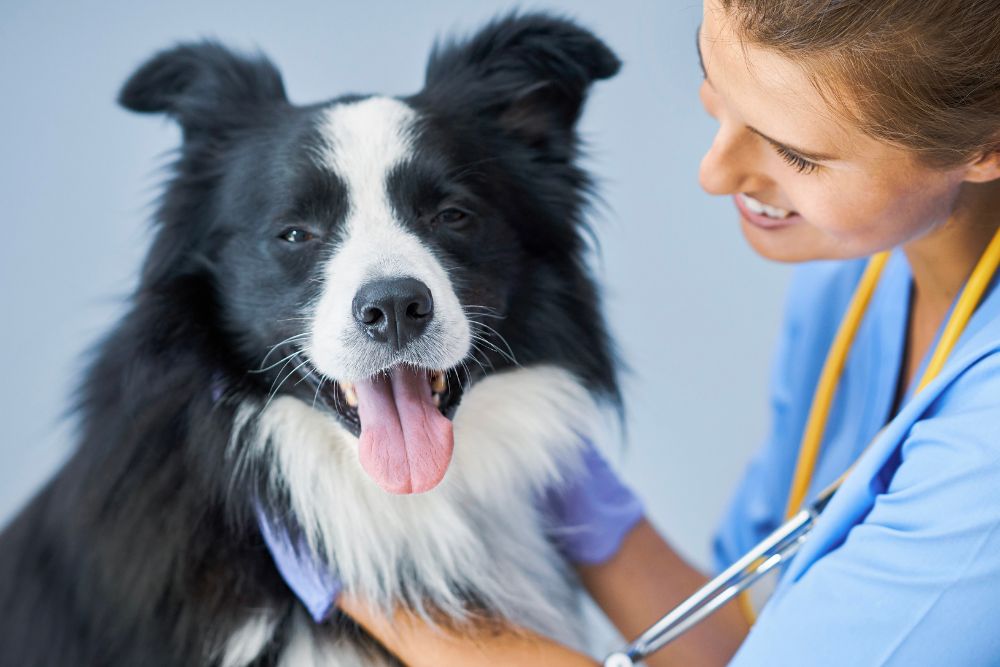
(451, 216)
(295, 235)
(801, 165)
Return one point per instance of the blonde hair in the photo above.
(921, 74)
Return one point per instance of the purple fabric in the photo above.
(218, 387)
(592, 512)
(589, 516)
(313, 584)
(304, 573)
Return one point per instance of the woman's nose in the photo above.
(732, 163)
(729, 165)
(720, 173)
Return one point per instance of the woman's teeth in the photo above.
(761, 208)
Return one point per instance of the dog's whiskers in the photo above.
(305, 377)
(274, 347)
(319, 386)
(278, 377)
(468, 374)
(507, 354)
(473, 356)
(483, 311)
(275, 364)
(275, 390)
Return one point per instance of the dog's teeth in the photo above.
(436, 398)
(437, 382)
(350, 395)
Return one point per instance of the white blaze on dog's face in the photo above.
(366, 141)
(387, 315)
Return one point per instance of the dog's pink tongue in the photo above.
(406, 443)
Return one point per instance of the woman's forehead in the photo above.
(773, 95)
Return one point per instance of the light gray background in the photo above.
(694, 310)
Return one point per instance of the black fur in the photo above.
(143, 549)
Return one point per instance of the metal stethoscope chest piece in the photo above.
(618, 660)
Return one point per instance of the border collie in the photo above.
(371, 319)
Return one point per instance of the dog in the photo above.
(370, 319)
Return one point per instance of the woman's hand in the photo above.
(418, 644)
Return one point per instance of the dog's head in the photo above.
(377, 255)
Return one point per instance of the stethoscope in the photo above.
(781, 545)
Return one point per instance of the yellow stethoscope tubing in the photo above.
(829, 379)
(972, 293)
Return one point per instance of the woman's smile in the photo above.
(762, 215)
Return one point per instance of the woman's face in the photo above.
(807, 185)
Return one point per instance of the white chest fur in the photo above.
(478, 534)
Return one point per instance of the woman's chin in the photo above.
(789, 243)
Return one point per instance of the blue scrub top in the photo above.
(903, 567)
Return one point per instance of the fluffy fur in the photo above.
(222, 386)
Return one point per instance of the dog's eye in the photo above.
(296, 235)
(451, 216)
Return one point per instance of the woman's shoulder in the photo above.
(964, 416)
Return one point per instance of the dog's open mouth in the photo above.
(402, 418)
(446, 392)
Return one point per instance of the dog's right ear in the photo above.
(203, 85)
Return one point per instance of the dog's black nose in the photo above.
(393, 310)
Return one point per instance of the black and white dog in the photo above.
(371, 319)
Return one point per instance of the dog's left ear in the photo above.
(532, 72)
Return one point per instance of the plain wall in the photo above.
(693, 309)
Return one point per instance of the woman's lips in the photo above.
(764, 221)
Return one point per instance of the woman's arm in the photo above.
(641, 582)
(417, 644)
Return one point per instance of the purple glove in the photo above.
(304, 573)
(589, 516)
(592, 512)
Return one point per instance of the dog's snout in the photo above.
(394, 310)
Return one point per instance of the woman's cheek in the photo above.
(814, 206)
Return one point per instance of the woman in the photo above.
(845, 128)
